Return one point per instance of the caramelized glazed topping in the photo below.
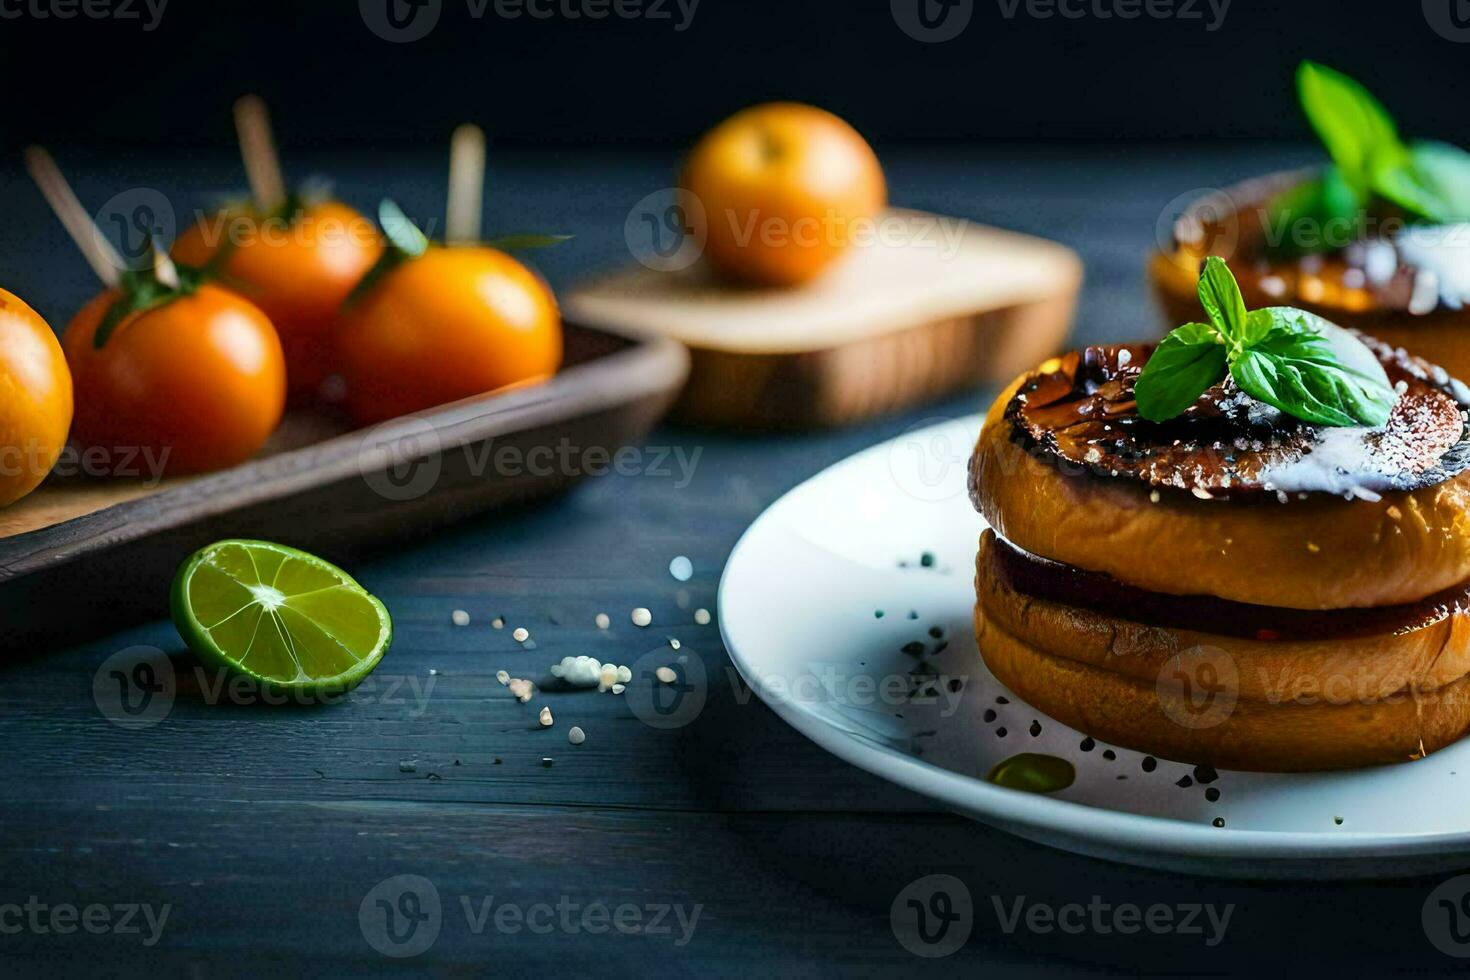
(1078, 412)
(1052, 581)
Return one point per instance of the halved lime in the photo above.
(279, 615)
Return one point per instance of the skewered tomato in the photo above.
(35, 399)
(785, 189)
(440, 323)
(195, 377)
(298, 266)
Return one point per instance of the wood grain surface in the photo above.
(265, 828)
(932, 305)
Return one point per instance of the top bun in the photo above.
(1232, 498)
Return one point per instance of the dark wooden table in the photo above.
(265, 829)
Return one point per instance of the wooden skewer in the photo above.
(98, 251)
(466, 185)
(164, 269)
(258, 147)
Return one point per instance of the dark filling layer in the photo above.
(1052, 581)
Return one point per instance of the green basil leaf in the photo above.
(1410, 190)
(1280, 384)
(511, 243)
(1304, 219)
(1258, 326)
(1357, 130)
(402, 232)
(1435, 184)
(1300, 372)
(1183, 367)
(1298, 333)
(1219, 294)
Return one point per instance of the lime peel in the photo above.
(281, 616)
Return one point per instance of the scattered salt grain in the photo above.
(502, 677)
(498, 623)
(642, 617)
(578, 671)
(681, 568)
(522, 689)
(603, 621)
(521, 634)
(701, 616)
(673, 643)
(625, 674)
(576, 736)
(460, 618)
(545, 717)
(619, 688)
(607, 677)
(666, 675)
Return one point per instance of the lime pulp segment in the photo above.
(280, 615)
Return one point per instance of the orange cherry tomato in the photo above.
(455, 322)
(35, 399)
(298, 272)
(195, 384)
(784, 188)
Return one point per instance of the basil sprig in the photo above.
(1430, 181)
(1288, 358)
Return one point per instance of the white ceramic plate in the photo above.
(800, 603)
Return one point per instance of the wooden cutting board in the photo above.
(943, 305)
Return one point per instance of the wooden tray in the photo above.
(894, 326)
(84, 555)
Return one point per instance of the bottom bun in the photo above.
(1195, 712)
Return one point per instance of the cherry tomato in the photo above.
(298, 272)
(454, 322)
(35, 399)
(200, 378)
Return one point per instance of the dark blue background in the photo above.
(637, 80)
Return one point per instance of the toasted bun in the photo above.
(1352, 668)
(1251, 735)
(1323, 552)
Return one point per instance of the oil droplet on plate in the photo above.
(1033, 772)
